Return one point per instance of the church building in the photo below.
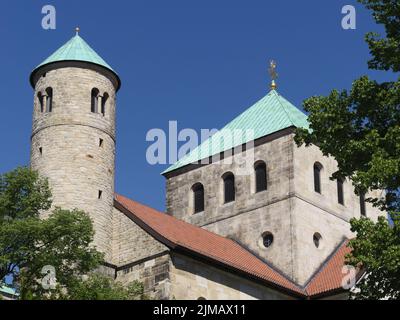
(276, 228)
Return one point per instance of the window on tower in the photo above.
(49, 100)
(198, 197)
(363, 209)
(40, 99)
(317, 177)
(229, 187)
(104, 103)
(260, 169)
(94, 101)
(340, 182)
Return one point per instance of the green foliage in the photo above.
(98, 287)
(360, 128)
(377, 248)
(62, 241)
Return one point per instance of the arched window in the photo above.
(229, 187)
(104, 103)
(340, 182)
(260, 169)
(363, 210)
(95, 100)
(49, 100)
(198, 197)
(40, 99)
(317, 177)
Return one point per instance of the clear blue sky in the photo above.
(200, 63)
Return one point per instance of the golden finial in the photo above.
(77, 29)
(273, 74)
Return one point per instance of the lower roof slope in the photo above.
(178, 235)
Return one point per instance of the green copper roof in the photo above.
(8, 290)
(271, 114)
(76, 49)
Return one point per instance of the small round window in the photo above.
(267, 239)
(317, 238)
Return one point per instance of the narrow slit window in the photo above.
(100, 196)
(229, 187)
(198, 197)
(261, 176)
(49, 100)
(41, 151)
(40, 99)
(363, 209)
(94, 100)
(340, 182)
(317, 177)
(104, 103)
(101, 142)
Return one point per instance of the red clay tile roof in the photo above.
(178, 234)
(329, 277)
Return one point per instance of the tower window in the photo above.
(41, 151)
(100, 195)
(317, 238)
(40, 99)
(363, 210)
(101, 142)
(260, 169)
(49, 100)
(317, 177)
(198, 197)
(94, 100)
(267, 239)
(104, 103)
(340, 182)
(229, 187)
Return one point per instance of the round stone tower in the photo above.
(73, 134)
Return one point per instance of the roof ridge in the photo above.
(278, 96)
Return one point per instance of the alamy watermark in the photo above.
(349, 21)
(49, 20)
(227, 147)
(350, 276)
(49, 281)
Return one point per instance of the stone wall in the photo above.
(290, 209)
(320, 213)
(138, 256)
(191, 280)
(130, 242)
(66, 146)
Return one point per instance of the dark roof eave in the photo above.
(36, 70)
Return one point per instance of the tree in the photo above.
(360, 128)
(98, 287)
(46, 258)
(29, 244)
(377, 247)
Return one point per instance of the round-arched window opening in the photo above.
(317, 239)
(267, 239)
(201, 298)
